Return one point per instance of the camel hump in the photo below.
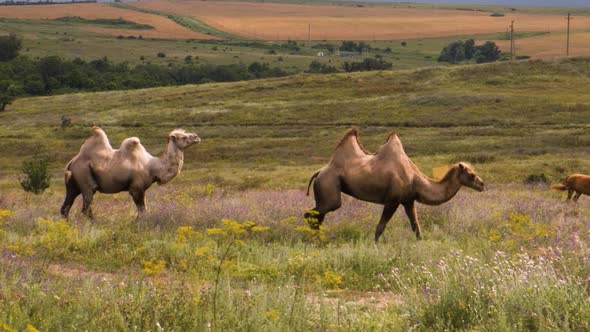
(392, 146)
(131, 147)
(98, 141)
(99, 133)
(130, 143)
(351, 133)
(349, 146)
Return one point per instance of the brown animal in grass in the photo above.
(387, 177)
(99, 167)
(578, 183)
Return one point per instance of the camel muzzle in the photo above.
(195, 138)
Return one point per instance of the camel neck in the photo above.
(433, 192)
(170, 163)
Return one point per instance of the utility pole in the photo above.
(512, 48)
(567, 47)
(309, 35)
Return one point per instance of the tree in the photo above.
(459, 50)
(349, 46)
(5, 100)
(9, 47)
(37, 177)
(469, 47)
(318, 67)
(453, 53)
(487, 52)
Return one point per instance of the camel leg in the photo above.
(411, 212)
(86, 203)
(570, 192)
(71, 193)
(578, 194)
(139, 199)
(327, 196)
(386, 215)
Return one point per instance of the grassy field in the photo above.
(511, 258)
(498, 114)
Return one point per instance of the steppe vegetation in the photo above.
(225, 247)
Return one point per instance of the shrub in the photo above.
(350, 46)
(320, 68)
(37, 177)
(5, 100)
(161, 55)
(367, 64)
(9, 47)
(65, 122)
(536, 178)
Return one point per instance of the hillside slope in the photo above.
(509, 119)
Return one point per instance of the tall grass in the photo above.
(516, 262)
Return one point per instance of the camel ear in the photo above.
(462, 166)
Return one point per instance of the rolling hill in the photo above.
(510, 119)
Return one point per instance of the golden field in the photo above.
(550, 46)
(271, 21)
(163, 27)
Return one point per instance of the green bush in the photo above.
(37, 177)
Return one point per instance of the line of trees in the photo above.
(22, 76)
(460, 50)
(51, 74)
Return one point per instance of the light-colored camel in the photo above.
(578, 183)
(99, 167)
(387, 177)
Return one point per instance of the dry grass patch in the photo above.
(549, 46)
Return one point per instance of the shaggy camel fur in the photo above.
(578, 183)
(387, 177)
(99, 167)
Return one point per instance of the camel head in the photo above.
(182, 139)
(468, 178)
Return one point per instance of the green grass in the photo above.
(114, 23)
(277, 126)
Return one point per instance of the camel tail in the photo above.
(315, 175)
(68, 175)
(561, 186)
